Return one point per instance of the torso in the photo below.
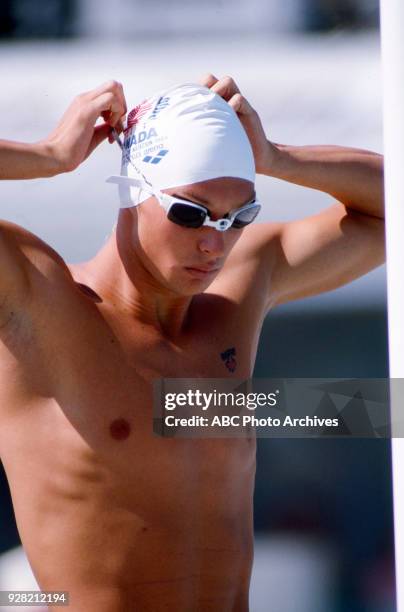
(121, 518)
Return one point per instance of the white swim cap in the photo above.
(183, 135)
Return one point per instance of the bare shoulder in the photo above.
(29, 266)
(30, 250)
(30, 275)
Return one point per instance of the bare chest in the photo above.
(97, 412)
(108, 374)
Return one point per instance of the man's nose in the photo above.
(212, 242)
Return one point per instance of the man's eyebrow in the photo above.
(191, 198)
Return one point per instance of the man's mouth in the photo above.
(202, 271)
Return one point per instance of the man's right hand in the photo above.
(76, 136)
(72, 141)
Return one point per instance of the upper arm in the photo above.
(14, 283)
(320, 253)
(22, 257)
(30, 272)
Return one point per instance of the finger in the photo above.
(208, 80)
(109, 107)
(113, 136)
(101, 132)
(240, 104)
(117, 90)
(116, 118)
(226, 87)
(118, 107)
(119, 126)
(112, 86)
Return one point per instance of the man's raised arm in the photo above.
(323, 251)
(354, 177)
(73, 139)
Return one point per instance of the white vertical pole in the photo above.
(392, 34)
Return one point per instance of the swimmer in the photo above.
(122, 519)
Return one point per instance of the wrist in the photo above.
(270, 159)
(49, 162)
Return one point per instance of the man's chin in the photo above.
(190, 287)
(190, 291)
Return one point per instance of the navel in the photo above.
(119, 429)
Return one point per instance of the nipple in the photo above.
(119, 429)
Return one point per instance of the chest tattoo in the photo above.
(229, 358)
(119, 429)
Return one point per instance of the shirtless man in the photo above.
(120, 518)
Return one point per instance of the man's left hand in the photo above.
(264, 151)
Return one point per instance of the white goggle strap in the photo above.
(130, 189)
(164, 200)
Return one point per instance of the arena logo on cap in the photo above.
(149, 159)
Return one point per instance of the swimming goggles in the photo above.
(190, 214)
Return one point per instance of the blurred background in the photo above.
(311, 68)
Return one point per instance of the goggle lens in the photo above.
(188, 216)
(245, 217)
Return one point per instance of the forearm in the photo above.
(353, 176)
(26, 161)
